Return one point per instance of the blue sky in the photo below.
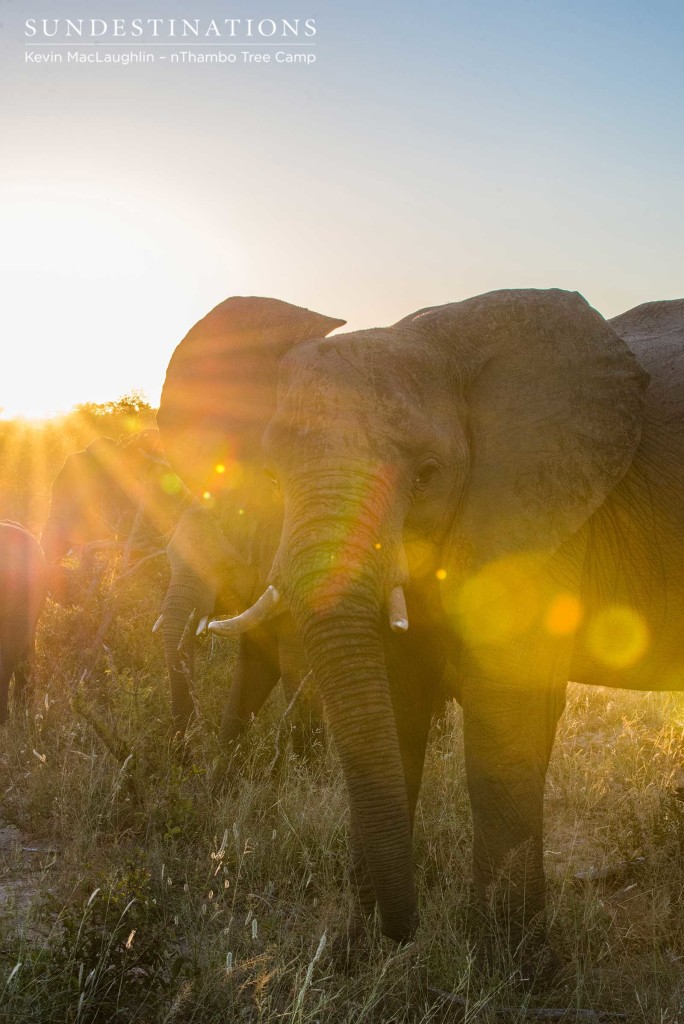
(434, 151)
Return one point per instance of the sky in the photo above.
(433, 151)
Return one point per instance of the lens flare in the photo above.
(563, 615)
(618, 636)
(171, 484)
(499, 602)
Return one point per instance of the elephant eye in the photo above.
(424, 475)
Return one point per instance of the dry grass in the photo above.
(131, 890)
(146, 895)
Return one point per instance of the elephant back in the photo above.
(654, 332)
(635, 566)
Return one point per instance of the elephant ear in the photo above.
(220, 385)
(554, 401)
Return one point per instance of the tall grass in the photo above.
(134, 888)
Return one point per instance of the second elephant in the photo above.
(212, 574)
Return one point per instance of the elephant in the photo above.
(23, 587)
(211, 573)
(494, 483)
(219, 558)
(94, 500)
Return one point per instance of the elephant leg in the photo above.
(24, 671)
(6, 673)
(12, 663)
(308, 733)
(509, 734)
(415, 672)
(256, 674)
(306, 715)
(23, 679)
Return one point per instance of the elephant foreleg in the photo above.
(306, 714)
(256, 674)
(14, 661)
(6, 672)
(23, 678)
(509, 734)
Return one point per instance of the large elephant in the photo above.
(23, 586)
(511, 467)
(95, 498)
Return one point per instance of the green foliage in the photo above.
(116, 949)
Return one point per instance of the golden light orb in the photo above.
(563, 615)
(618, 636)
(499, 602)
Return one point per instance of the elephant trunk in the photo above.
(335, 574)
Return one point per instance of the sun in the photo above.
(81, 272)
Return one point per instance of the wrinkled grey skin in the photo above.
(211, 574)
(23, 588)
(501, 458)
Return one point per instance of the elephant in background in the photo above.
(211, 574)
(94, 502)
(23, 587)
(220, 555)
(495, 481)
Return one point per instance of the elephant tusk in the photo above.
(396, 608)
(158, 623)
(261, 611)
(202, 625)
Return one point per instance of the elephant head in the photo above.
(96, 495)
(221, 565)
(206, 573)
(409, 458)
